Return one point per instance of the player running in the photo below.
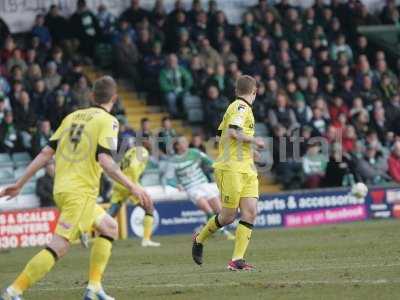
(133, 164)
(235, 175)
(82, 146)
(186, 166)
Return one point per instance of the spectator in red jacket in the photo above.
(394, 162)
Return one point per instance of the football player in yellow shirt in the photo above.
(82, 145)
(133, 164)
(236, 175)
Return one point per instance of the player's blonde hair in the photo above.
(245, 85)
(104, 89)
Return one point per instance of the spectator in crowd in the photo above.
(134, 14)
(25, 118)
(281, 113)
(339, 168)
(56, 24)
(145, 128)
(107, 21)
(215, 107)
(4, 31)
(175, 81)
(10, 140)
(314, 166)
(51, 77)
(41, 31)
(57, 109)
(41, 137)
(44, 186)
(166, 136)
(127, 58)
(373, 167)
(197, 142)
(394, 162)
(81, 92)
(85, 28)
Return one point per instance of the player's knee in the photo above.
(226, 219)
(148, 207)
(108, 227)
(59, 246)
(249, 215)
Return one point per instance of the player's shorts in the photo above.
(78, 213)
(120, 196)
(234, 185)
(204, 190)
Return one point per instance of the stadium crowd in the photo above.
(317, 77)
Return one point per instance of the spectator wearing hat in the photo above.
(302, 111)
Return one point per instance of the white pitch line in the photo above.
(267, 284)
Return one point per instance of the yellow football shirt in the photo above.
(133, 165)
(233, 155)
(81, 136)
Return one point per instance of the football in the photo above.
(359, 190)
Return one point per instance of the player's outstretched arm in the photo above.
(112, 169)
(39, 162)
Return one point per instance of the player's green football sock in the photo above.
(147, 226)
(35, 270)
(243, 234)
(99, 256)
(211, 227)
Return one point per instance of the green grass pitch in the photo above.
(348, 261)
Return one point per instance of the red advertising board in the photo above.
(27, 228)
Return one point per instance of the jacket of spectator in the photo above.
(373, 166)
(175, 79)
(394, 162)
(215, 106)
(57, 24)
(44, 187)
(9, 135)
(25, 116)
(41, 137)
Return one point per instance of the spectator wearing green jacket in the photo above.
(175, 82)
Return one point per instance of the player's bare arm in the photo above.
(112, 169)
(39, 162)
(241, 137)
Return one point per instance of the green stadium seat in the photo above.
(195, 115)
(7, 174)
(261, 129)
(5, 160)
(29, 188)
(150, 178)
(21, 159)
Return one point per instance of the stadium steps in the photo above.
(136, 109)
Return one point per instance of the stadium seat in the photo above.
(261, 129)
(150, 178)
(195, 115)
(21, 159)
(6, 175)
(29, 189)
(5, 160)
(191, 102)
